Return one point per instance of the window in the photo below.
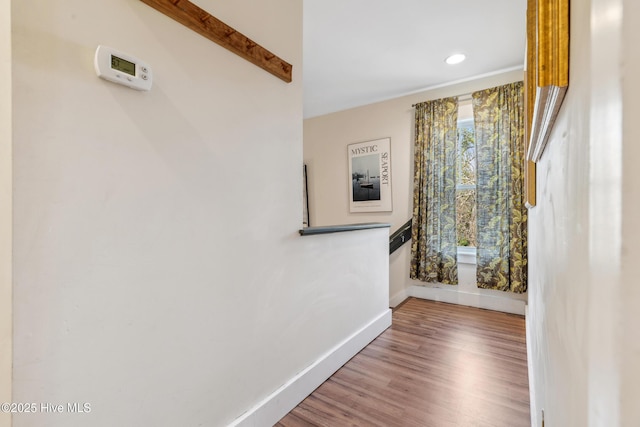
(466, 167)
(468, 156)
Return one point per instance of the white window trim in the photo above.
(467, 255)
(465, 187)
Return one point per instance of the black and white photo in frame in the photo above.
(370, 176)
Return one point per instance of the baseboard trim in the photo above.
(487, 302)
(532, 389)
(279, 403)
(398, 298)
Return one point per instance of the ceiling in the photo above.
(356, 52)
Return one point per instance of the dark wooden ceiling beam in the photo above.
(203, 23)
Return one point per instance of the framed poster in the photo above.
(370, 176)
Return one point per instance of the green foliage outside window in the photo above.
(466, 193)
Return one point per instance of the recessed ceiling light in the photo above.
(455, 59)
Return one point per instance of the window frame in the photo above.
(466, 254)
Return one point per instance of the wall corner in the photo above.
(6, 140)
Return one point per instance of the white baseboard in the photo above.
(279, 403)
(398, 298)
(488, 302)
(532, 389)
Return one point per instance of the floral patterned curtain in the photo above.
(502, 215)
(433, 233)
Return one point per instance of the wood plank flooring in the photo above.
(439, 365)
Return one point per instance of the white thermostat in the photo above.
(121, 68)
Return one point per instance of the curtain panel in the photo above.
(501, 211)
(433, 233)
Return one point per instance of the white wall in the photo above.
(325, 152)
(583, 297)
(559, 252)
(5, 207)
(630, 252)
(158, 272)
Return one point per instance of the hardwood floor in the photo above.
(439, 365)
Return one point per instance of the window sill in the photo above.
(466, 255)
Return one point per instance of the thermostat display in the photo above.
(121, 68)
(123, 65)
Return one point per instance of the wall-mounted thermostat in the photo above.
(121, 68)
